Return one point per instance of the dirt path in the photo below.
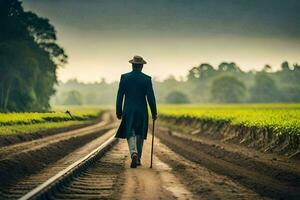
(156, 183)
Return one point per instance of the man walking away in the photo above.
(136, 87)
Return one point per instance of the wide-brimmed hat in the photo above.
(137, 60)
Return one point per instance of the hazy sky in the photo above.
(100, 36)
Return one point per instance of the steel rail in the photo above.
(44, 190)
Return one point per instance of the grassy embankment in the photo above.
(267, 127)
(280, 118)
(18, 123)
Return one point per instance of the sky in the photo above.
(100, 36)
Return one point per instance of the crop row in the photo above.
(280, 118)
(7, 119)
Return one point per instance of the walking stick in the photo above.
(153, 127)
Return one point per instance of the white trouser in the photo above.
(135, 144)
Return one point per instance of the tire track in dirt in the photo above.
(204, 183)
(249, 177)
(272, 165)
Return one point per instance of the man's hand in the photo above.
(154, 117)
(119, 117)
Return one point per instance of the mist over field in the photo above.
(225, 83)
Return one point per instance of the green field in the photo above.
(280, 118)
(16, 123)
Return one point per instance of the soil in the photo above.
(261, 139)
(156, 183)
(202, 182)
(279, 179)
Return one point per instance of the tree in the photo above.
(227, 89)
(264, 89)
(228, 67)
(73, 98)
(202, 72)
(267, 68)
(176, 97)
(285, 66)
(91, 98)
(29, 58)
(291, 93)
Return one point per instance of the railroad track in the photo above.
(88, 177)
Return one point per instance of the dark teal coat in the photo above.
(135, 87)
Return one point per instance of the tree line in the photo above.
(225, 83)
(229, 84)
(29, 58)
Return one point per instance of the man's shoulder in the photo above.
(130, 73)
(146, 76)
(125, 75)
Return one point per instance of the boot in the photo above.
(134, 160)
(139, 162)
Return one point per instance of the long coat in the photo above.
(135, 86)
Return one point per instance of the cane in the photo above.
(153, 127)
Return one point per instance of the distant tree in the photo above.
(229, 67)
(103, 81)
(169, 84)
(296, 66)
(203, 72)
(198, 90)
(267, 68)
(264, 89)
(285, 66)
(227, 89)
(296, 74)
(289, 75)
(193, 74)
(170, 80)
(73, 98)
(91, 98)
(73, 82)
(206, 71)
(177, 97)
(291, 93)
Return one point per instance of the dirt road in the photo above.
(156, 183)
